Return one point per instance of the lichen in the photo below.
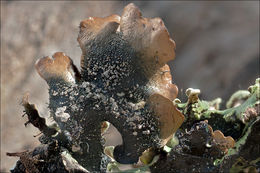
(240, 121)
(238, 113)
(125, 80)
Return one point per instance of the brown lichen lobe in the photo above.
(94, 27)
(148, 36)
(170, 118)
(59, 66)
(224, 142)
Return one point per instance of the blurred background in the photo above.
(217, 52)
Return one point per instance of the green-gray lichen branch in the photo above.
(124, 80)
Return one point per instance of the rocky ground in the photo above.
(217, 51)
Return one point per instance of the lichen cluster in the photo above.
(124, 80)
(211, 151)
